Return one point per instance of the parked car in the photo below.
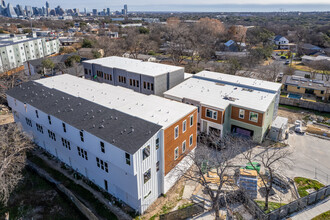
(287, 62)
(298, 127)
(283, 57)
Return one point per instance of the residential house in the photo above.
(306, 87)
(281, 42)
(230, 104)
(140, 76)
(128, 143)
(307, 59)
(310, 49)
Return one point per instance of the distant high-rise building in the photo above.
(3, 4)
(11, 11)
(47, 8)
(20, 10)
(95, 12)
(85, 11)
(108, 11)
(28, 10)
(124, 11)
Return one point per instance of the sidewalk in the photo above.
(313, 210)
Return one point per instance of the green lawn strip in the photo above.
(323, 216)
(77, 189)
(271, 205)
(303, 184)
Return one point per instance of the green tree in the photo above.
(70, 61)
(48, 64)
(144, 30)
(87, 43)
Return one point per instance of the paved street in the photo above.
(310, 158)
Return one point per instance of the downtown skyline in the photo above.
(184, 5)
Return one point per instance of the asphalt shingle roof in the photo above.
(122, 130)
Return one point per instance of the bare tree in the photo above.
(14, 145)
(216, 159)
(9, 81)
(270, 72)
(272, 159)
(322, 66)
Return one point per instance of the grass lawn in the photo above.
(303, 184)
(323, 216)
(35, 197)
(271, 205)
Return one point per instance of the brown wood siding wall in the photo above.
(170, 144)
(219, 114)
(235, 115)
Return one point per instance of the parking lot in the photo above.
(311, 157)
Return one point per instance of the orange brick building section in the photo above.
(170, 143)
(235, 115)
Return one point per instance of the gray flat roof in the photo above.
(122, 130)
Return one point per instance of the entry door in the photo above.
(106, 185)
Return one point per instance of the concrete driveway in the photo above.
(311, 157)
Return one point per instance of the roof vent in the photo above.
(93, 126)
(113, 141)
(101, 126)
(116, 118)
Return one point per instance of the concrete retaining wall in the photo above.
(318, 106)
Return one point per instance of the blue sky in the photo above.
(155, 4)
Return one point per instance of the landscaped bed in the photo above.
(323, 216)
(304, 185)
(271, 205)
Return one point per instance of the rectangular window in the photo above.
(49, 120)
(66, 143)
(190, 140)
(253, 117)
(241, 113)
(152, 87)
(147, 176)
(130, 82)
(51, 135)
(102, 147)
(82, 153)
(144, 85)
(101, 164)
(146, 152)
(176, 132)
(191, 120)
(157, 166)
(128, 159)
(39, 128)
(64, 127)
(157, 143)
(211, 114)
(28, 122)
(184, 126)
(176, 153)
(148, 85)
(183, 146)
(37, 114)
(110, 77)
(81, 135)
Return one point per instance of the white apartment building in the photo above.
(128, 143)
(17, 49)
(140, 76)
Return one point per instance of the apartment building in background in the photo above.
(128, 143)
(15, 50)
(230, 104)
(140, 76)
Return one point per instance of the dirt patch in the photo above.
(167, 202)
(292, 115)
